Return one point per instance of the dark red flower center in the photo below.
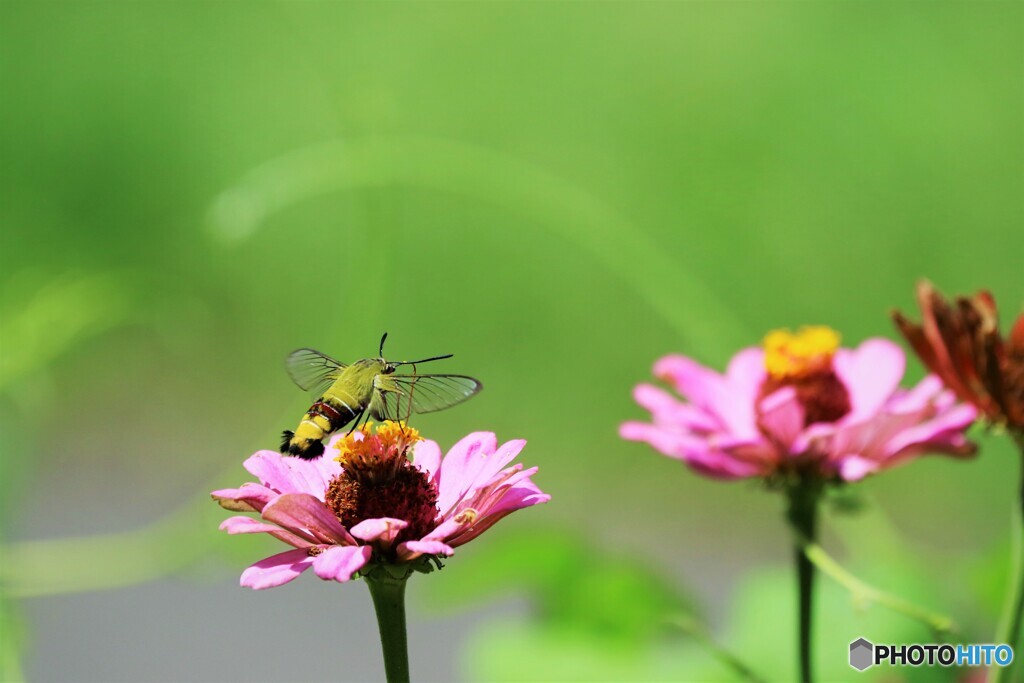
(822, 395)
(803, 361)
(378, 480)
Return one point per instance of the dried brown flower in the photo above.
(960, 342)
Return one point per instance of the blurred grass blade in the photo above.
(104, 561)
(12, 642)
(686, 303)
(699, 633)
(59, 315)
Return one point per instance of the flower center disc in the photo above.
(804, 361)
(378, 480)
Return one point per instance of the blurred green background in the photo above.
(558, 194)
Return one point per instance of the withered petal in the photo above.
(914, 335)
(939, 327)
(1017, 336)
(959, 341)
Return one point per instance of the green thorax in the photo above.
(355, 383)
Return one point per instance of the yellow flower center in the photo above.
(809, 351)
(803, 361)
(391, 439)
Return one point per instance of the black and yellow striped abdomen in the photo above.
(325, 416)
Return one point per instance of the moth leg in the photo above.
(355, 424)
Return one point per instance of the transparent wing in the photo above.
(311, 370)
(427, 394)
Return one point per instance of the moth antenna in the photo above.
(425, 360)
(380, 351)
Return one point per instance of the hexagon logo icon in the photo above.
(861, 654)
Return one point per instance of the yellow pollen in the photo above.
(788, 355)
(390, 439)
(467, 516)
(393, 432)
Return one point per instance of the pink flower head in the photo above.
(801, 405)
(373, 505)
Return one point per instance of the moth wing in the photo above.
(311, 370)
(383, 406)
(429, 393)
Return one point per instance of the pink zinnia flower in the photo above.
(375, 505)
(800, 406)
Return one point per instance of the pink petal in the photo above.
(303, 512)
(732, 403)
(478, 528)
(916, 399)
(655, 400)
(514, 499)
(293, 475)
(339, 563)
(495, 462)
(707, 456)
(760, 457)
(667, 409)
(722, 464)
(816, 437)
(483, 497)
(445, 529)
(642, 431)
(671, 442)
(460, 466)
(782, 416)
(746, 372)
(471, 448)
(241, 524)
(697, 383)
(525, 495)
(940, 434)
(249, 498)
(855, 468)
(248, 525)
(410, 550)
(488, 477)
(381, 530)
(866, 440)
(426, 455)
(871, 373)
(745, 375)
(276, 570)
(904, 437)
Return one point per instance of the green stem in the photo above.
(802, 515)
(1013, 607)
(388, 593)
(699, 633)
(864, 593)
